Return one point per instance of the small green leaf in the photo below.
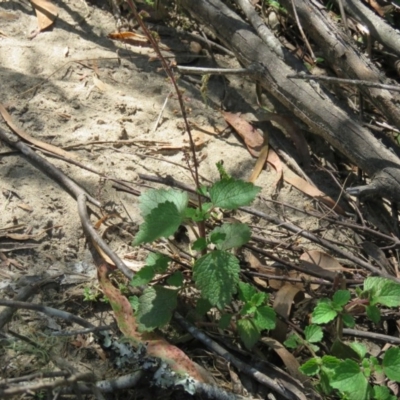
(199, 244)
(373, 313)
(248, 333)
(259, 299)
(176, 279)
(292, 342)
(217, 275)
(341, 297)
(161, 221)
(246, 292)
(158, 261)
(348, 320)
(313, 333)
(382, 393)
(329, 363)
(156, 305)
(349, 379)
(389, 295)
(323, 312)
(248, 308)
(195, 214)
(310, 367)
(265, 318)
(143, 277)
(134, 301)
(222, 171)
(224, 321)
(235, 235)
(383, 291)
(217, 238)
(359, 348)
(152, 198)
(231, 194)
(391, 363)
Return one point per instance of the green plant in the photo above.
(349, 369)
(351, 378)
(89, 294)
(215, 269)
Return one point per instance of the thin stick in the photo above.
(355, 82)
(184, 70)
(307, 43)
(161, 112)
(168, 70)
(343, 15)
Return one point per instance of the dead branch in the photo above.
(323, 114)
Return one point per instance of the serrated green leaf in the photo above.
(348, 320)
(134, 301)
(248, 308)
(382, 393)
(231, 194)
(143, 277)
(158, 261)
(359, 348)
(341, 297)
(388, 295)
(383, 291)
(246, 292)
(217, 276)
(224, 321)
(195, 214)
(235, 235)
(265, 318)
(373, 313)
(161, 221)
(199, 244)
(292, 342)
(217, 238)
(310, 367)
(329, 363)
(323, 385)
(156, 305)
(323, 313)
(313, 333)
(176, 279)
(248, 333)
(391, 363)
(259, 299)
(152, 198)
(349, 379)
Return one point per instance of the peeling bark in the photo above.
(325, 116)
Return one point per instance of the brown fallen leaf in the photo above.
(321, 264)
(287, 357)
(282, 305)
(254, 142)
(307, 188)
(130, 37)
(46, 13)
